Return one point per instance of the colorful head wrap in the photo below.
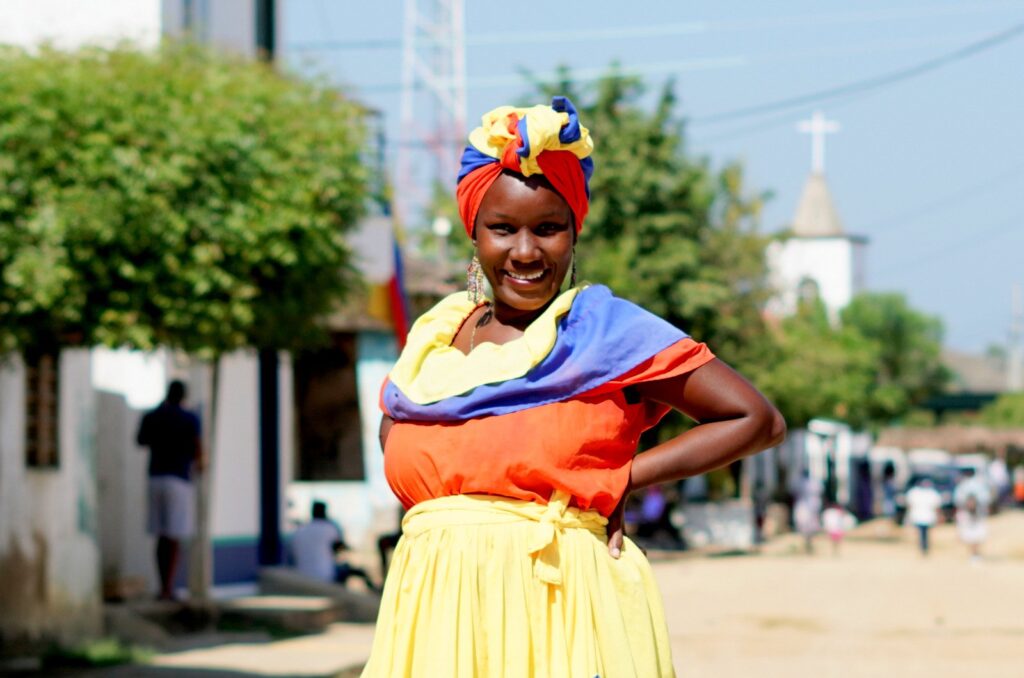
(546, 140)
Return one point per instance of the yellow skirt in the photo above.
(486, 587)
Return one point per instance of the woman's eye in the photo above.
(550, 229)
(501, 228)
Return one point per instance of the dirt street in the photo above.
(876, 609)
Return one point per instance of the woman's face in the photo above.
(524, 238)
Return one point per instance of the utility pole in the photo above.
(270, 451)
(1015, 373)
(433, 104)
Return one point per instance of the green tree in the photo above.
(908, 346)
(665, 229)
(817, 370)
(874, 366)
(175, 197)
(1005, 411)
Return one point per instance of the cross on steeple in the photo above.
(818, 126)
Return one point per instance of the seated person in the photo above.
(314, 546)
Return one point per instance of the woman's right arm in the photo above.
(386, 423)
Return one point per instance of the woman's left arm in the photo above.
(733, 420)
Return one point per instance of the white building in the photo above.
(817, 257)
(69, 24)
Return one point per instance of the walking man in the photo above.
(172, 434)
(923, 504)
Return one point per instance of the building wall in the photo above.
(49, 546)
(69, 24)
(127, 550)
(229, 24)
(234, 466)
(367, 508)
(833, 263)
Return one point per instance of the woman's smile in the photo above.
(526, 278)
(524, 240)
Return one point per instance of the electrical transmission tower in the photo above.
(433, 104)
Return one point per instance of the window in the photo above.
(330, 432)
(808, 291)
(41, 389)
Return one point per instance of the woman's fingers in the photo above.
(615, 522)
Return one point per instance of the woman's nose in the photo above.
(525, 247)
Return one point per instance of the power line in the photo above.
(680, 66)
(959, 246)
(901, 219)
(671, 29)
(523, 38)
(587, 74)
(861, 86)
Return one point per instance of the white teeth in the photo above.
(525, 276)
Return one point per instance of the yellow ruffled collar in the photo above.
(431, 369)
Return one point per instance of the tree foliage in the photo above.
(671, 232)
(817, 370)
(174, 197)
(1005, 411)
(876, 365)
(665, 229)
(908, 346)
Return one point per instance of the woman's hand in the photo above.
(386, 423)
(616, 524)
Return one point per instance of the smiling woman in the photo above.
(510, 433)
(524, 241)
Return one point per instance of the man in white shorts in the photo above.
(172, 435)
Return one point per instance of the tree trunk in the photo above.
(200, 569)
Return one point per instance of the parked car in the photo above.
(944, 479)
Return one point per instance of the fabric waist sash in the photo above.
(549, 523)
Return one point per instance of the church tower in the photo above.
(818, 257)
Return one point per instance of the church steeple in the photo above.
(819, 254)
(816, 214)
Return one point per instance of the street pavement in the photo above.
(876, 609)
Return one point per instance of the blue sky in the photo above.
(930, 169)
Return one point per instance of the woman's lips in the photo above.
(526, 278)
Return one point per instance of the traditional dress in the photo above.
(509, 461)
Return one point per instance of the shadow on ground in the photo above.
(176, 672)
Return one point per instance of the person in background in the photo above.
(889, 490)
(1018, 485)
(923, 503)
(970, 526)
(172, 434)
(656, 520)
(971, 485)
(807, 510)
(834, 521)
(999, 479)
(314, 546)
(761, 501)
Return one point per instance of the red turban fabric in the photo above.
(562, 169)
(539, 140)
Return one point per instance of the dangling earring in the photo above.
(475, 281)
(572, 277)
